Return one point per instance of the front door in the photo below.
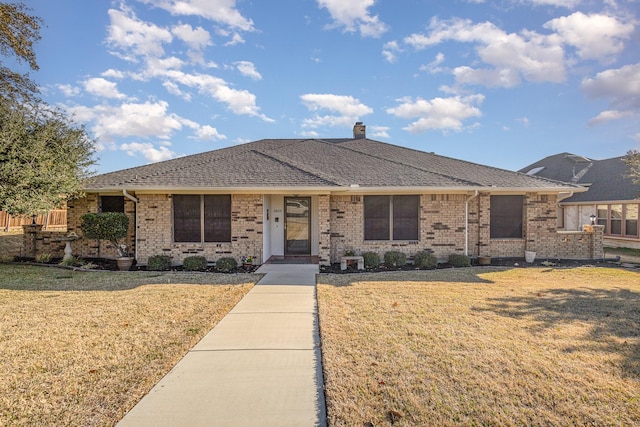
(297, 226)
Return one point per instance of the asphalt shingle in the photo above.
(316, 163)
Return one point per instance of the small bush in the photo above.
(371, 260)
(426, 260)
(43, 258)
(458, 260)
(226, 265)
(73, 261)
(194, 263)
(7, 258)
(395, 259)
(159, 263)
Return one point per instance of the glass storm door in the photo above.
(297, 225)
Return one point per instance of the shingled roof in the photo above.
(606, 179)
(319, 164)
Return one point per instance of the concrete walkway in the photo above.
(260, 365)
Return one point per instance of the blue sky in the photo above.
(502, 83)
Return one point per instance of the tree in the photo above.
(18, 32)
(44, 158)
(632, 159)
(111, 226)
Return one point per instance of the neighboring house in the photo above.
(613, 199)
(323, 197)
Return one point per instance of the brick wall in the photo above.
(442, 227)
(324, 229)
(155, 231)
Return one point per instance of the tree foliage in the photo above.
(111, 226)
(44, 158)
(18, 32)
(632, 159)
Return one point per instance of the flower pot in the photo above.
(124, 263)
(484, 260)
(529, 256)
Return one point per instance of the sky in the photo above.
(501, 83)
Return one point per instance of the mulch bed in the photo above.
(111, 265)
(495, 262)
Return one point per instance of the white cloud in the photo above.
(609, 115)
(348, 109)
(135, 37)
(196, 39)
(68, 90)
(148, 150)
(221, 11)
(569, 4)
(379, 131)
(238, 101)
(354, 15)
(114, 74)
(595, 36)
(389, 51)
(208, 133)
(438, 113)
(235, 39)
(248, 69)
(103, 88)
(523, 120)
(535, 57)
(129, 119)
(621, 86)
(434, 66)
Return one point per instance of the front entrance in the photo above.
(297, 226)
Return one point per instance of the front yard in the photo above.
(482, 346)
(81, 348)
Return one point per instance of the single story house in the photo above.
(323, 197)
(613, 200)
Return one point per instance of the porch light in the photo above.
(593, 219)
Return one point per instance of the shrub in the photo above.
(73, 261)
(426, 260)
(159, 263)
(7, 258)
(43, 258)
(371, 260)
(458, 260)
(194, 263)
(395, 259)
(111, 226)
(226, 265)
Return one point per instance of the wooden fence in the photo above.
(54, 219)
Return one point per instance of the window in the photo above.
(111, 204)
(615, 222)
(619, 219)
(603, 217)
(391, 217)
(506, 217)
(631, 221)
(201, 218)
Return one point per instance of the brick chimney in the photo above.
(359, 131)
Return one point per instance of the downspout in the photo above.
(135, 228)
(466, 220)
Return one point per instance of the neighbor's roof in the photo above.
(606, 179)
(330, 164)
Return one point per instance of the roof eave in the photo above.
(351, 189)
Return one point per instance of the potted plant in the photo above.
(247, 262)
(110, 226)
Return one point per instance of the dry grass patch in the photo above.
(482, 346)
(81, 348)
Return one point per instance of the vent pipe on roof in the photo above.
(359, 131)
